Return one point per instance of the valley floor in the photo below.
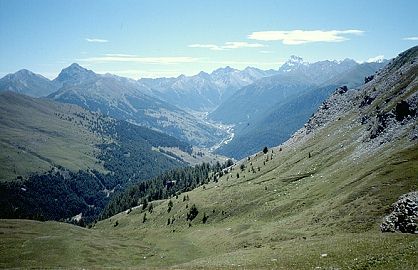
(32, 244)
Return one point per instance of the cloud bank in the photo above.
(227, 46)
(296, 37)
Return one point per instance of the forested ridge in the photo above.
(125, 153)
(168, 184)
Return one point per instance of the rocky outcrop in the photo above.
(404, 217)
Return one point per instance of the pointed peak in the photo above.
(295, 58)
(224, 70)
(75, 73)
(75, 66)
(228, 68)
(203, 74)
(24, 71)
(294, 63)
(24, 74)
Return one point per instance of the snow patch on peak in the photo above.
(296, 59)
(376, 59)
(293, 63)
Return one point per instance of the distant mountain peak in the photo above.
(377, 59)
(26, 82)
(293, 63)
(295, 59)
(24, 72)
(203, 74)
(75, 74)
(75, 67)
(224, 70)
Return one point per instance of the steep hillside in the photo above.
(314, 202)
(254, 100)
(274, 124)
(37, 134)
(62, 150)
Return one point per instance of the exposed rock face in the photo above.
(404, 217)
(403, 110)
(368, 78)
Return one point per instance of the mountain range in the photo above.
(268, 111)
(203, 91)
(320, 200)
(241, 98)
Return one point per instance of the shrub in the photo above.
(205, 218)
(193, 212)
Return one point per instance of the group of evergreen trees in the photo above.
(55, 195)
(164, 186)
(60, 194)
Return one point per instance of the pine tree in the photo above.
(144, 204)
(193, 212)
(205, 218)
(170, 205)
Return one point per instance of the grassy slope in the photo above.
(337, 213)
(282, 217)
(268, 215)
(30, 143)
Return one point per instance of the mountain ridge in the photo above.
(316, 200)
(256, 117)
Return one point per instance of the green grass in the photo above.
(276, 218)
(286, 215)
(34, 137)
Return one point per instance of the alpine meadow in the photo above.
(208, 134)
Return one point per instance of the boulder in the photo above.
(404, 216)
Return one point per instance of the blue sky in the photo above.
(167, 38)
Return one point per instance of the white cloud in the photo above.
(237, 45)
(410, 38)
(97, 40)
(296, 37)
(228, 45)
(138, 59)
(377, 59)
(212, 47)
(266, 52)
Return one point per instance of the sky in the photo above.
(158, 38)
